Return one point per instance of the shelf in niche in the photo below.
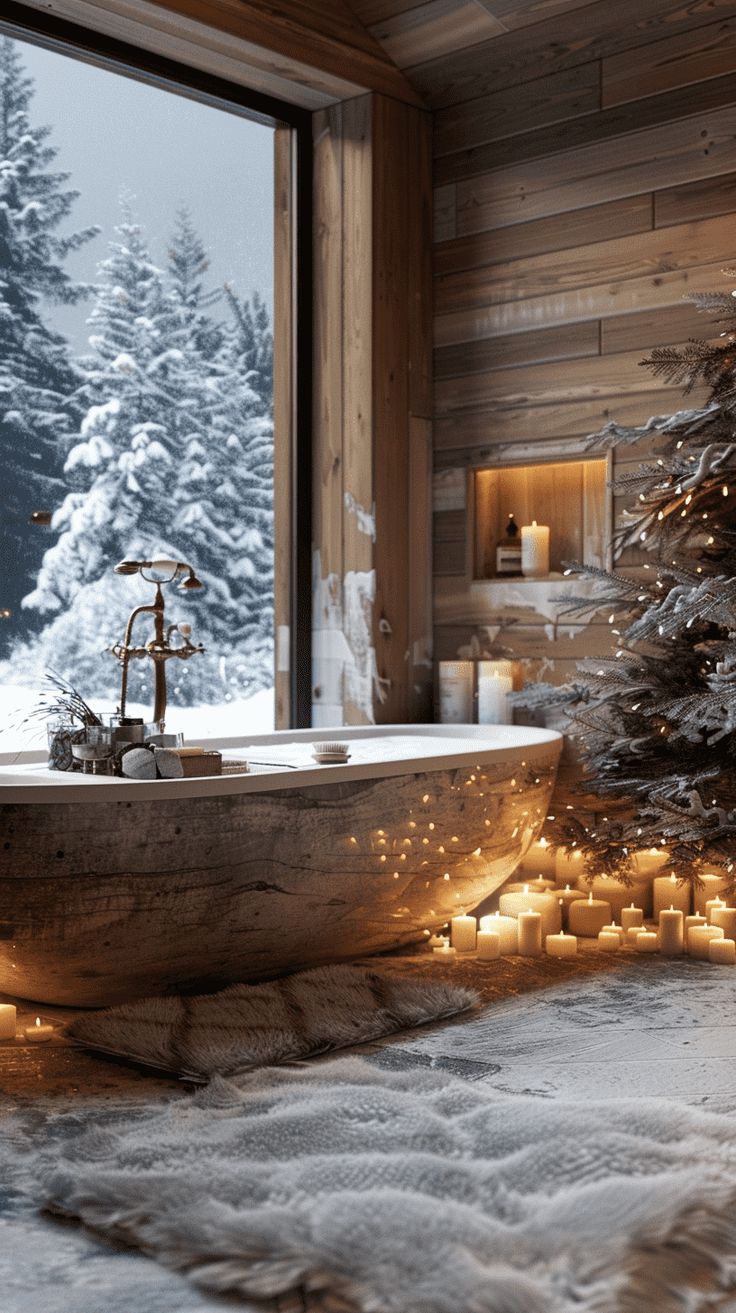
(571, 496)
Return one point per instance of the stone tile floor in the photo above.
(600, 1026)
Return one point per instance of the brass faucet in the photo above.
(159, 648)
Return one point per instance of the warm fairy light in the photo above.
(38, 1021)
(425, 797)
(431, 825)
(724, 490)
(353, 839)
(446, 876)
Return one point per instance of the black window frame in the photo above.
(46, 29)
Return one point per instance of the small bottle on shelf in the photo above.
(508, 553)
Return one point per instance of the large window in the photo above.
(136, 388)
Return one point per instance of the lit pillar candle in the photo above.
(699, 937)
(538, 886)
(8, 1021)
(691, 921)
(488, 943)
(535, 550)
(612, 891)
(713, 905)
(39, 1032)
(539, 858)
(710, 887)
(569, 865)
(631, 916)
(722, 951)
(648, 861)
(564, 898)
(668, 893)
(493, 691)
(506, 928)
(587, 916)
(446, 953)
(609, 941)
(614, 929)
(530, 933)
(671, 931)
(561, 945)
(725, 917)
(646, 941)
(544, 903)
(632, 933)
(463, 930)
(456, 692)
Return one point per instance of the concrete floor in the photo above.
(600, 1026)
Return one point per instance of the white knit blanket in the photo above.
(415, 1192)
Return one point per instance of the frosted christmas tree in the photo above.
(656, 722)
(36, 376)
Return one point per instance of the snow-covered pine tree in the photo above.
(36, 376)
(656, 722)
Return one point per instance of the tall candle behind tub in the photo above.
(456, 692)
(493, 690)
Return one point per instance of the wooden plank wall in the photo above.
(582, 187)
(372, 413)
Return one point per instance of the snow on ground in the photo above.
(254, 715)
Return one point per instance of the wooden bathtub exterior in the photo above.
(120, 889)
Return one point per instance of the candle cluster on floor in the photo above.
(538, 916)
(38, 1033)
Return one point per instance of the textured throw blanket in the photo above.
(245, 1026)
(415, 1192)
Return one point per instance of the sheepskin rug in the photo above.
(414, 1192)
(248, 1026)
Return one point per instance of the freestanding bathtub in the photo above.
(112, 888)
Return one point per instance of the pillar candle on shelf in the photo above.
(691, 921)
(569, 865)
(530, 934)
(8, 1020)
(488, 943)
(699, 937)
(493, 691)
(546, 904)
(668, 893)
(725, 917)
(710, 887)
(646, 941)
(463, 932)
(535, 550)
(631, 916)
(713, 905)
(506, 928)
(561, 945)
(587, 916)
(722, 951)
(539, 858)
(456, 692)
(671, 931)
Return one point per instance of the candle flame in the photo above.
(567, 888)
(38, 1021)
(590, 896)
(526, 888)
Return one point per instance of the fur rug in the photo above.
(248, 1026)
(414, 1192)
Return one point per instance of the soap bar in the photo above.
(200, 763)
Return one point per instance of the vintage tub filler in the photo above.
(113, 888)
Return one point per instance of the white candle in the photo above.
(539, 858)
(613, 928)
(506, 928)
(588, 916)
(493, 690)
(489, 945)
(690, 921)
(711, 885)
(668, 893)
(569, 865)
(699, 937)
(612, 891)
(456, 692)
(8, 1019)
(463, 930)
(527, 900)
(564, 898)
(609, 941)
(39, 1032)
(535, 550)
(646, 941)
(632, 933)
(711, 906)
(631, 916)
(647, 861)
(722, 951)
(725, 917)
(444, 954)
(561, 945)
(538, 886)
(437, 941)
(530, 933)
(671, 931)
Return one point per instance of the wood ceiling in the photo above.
(454, 51)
